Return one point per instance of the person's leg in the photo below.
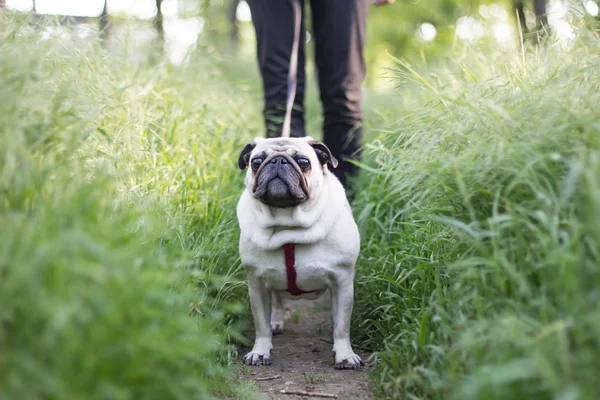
(274, 25)
(339, 28)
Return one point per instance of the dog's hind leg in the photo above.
(277, 313)
(260, 300)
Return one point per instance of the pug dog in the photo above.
(298, 239)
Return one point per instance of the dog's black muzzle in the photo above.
(279, 182)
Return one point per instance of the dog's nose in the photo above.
(279, 161)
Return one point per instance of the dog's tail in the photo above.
(293, 70)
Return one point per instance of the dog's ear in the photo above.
(324, 154)
(245, 155)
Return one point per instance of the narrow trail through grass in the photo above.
(302, 358)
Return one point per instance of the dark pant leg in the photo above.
(274, 25)
(339, 28)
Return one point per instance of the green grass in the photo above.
(479, 216)
(118, 257)
(119, 273)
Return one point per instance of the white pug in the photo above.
(298, 239)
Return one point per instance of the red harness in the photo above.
(290, 260)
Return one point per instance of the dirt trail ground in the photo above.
(303, 359)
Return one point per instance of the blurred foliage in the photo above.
(478, 211)
(119, 273)
(392, 27)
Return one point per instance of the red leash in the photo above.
(290, 261)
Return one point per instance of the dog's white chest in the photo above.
(313, 267)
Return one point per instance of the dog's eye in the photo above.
(303, 163)
(255, 163)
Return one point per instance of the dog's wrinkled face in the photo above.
(284, 172)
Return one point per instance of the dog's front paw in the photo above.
(261, 352)
(351, 361)
(277, 328)
(256, 358)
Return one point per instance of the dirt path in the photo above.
(302, 357)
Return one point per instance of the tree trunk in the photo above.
(158, 21)
(103, 24)
(2, 4)
(539, 8)
(233, 23)
(541, 16)
(521, 19)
